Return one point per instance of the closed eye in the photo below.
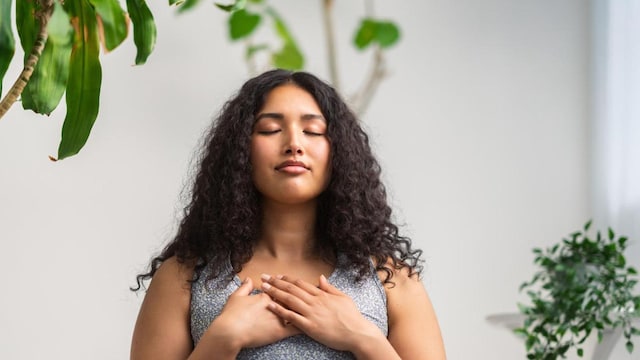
(312, 133)
(268, 132)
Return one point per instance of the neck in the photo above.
(288, 231)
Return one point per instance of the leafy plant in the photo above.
(247, 17)
(584, 286)
(62, 39)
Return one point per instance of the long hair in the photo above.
(222, 220)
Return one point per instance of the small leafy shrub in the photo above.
(583, 286)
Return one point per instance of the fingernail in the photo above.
(322, 277)
(266, 286)
(246, 280)
(265, 277)
(279, 277)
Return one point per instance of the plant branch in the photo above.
(43, 15)
(327, 7)
(361, 99)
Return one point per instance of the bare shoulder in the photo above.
(413, 326)
(162, 329)
(173, 273)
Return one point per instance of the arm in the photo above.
(162, 329)
(413, 327)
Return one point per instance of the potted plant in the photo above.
(583, 286)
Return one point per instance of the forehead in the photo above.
(289, 97)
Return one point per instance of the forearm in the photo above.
(216, 344)
(374, 347)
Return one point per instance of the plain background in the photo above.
(482, 129)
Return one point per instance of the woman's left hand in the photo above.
(324, 313)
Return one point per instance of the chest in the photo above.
(209, 297)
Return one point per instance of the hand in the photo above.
(245, 320)
(324, 313)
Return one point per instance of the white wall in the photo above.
(481, 129)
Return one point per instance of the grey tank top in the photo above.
(208, 298)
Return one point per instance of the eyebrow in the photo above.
(279, 116)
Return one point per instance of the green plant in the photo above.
(62, 39)
(61, 42)
(584, 286)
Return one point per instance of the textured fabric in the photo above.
(208, 298)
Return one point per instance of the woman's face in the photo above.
(289, 147)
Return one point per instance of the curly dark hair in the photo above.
(222, 220)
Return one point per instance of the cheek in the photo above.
(324, 154)
(258, 151)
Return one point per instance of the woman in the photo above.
(288, 198)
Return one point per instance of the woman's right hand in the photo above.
(246, 321)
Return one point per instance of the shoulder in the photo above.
(162, 328)
(413, 327)
(174, 273)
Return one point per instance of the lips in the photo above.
(292, 164)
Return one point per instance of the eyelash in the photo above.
(270, 132)
(312, 133)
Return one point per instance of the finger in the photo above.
(245, 288)
(295, 287)
(291, 318)
(311, 289)
(288, 295)
(326, 286)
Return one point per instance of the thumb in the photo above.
(245, 288)
(326, 286)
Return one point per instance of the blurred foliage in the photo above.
(584, 286)
(73, 31)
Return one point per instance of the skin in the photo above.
(290, 126)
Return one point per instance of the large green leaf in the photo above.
(384, 33)
(242, 23)
(365, 34)
(387, 33)
(144, 29)
(26, 25)
(289, 57)
(43, 92)
(27, 31)
(237, 5)
(187, 5)
(114, 22)
(7, 43)
(85, 77)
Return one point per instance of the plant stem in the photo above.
(43, 15)
(331, 43)
(360, 101)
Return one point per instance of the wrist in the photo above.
(222, 339)
(374, 345)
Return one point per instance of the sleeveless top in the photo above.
(208, 298)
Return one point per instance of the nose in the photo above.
(293, 144)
